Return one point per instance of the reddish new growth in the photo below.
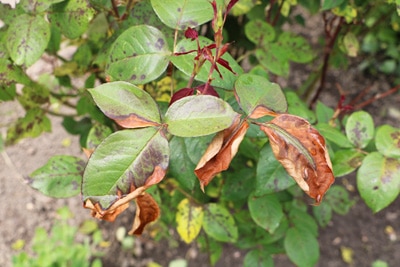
(212, 53)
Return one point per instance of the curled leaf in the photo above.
(302, 152)
(220, 152)
(147, 211)
(112, 180)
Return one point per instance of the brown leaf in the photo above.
(302, 152)
(133, 121)
(220, 152)
(147, 211)
(261, 111)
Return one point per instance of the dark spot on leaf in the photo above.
(142, 77)
(375, 188)
(179, 9)
(133, 77)
(159, 44)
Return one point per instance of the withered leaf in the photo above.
(147, 211)
(302, 152)
(220, 152)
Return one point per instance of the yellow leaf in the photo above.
(347, 254)
(18, 245)
(189, 219)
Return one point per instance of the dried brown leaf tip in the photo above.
(302, 151)
(147, 211)
(220, 152)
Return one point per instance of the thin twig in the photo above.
(377, 97)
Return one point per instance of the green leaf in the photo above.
(185, 64)
(199, 115)
(387, 141)
(7, 93)
(254, 92)
(238, 185)
(127, 104)
(271, 175)
(27, 38)
(297, 48)
(258, 258)
(333, 135)
(298, 107)
(303, 221)
(33, 124)
(219, 224)
(339, 199)
(360, 128)
(378, 181)
(180, 15)
(323, 112)
(60, 177)
(259, 32)
(346, 161)
(96, 135)
(323, 213)
(351, 44)
(266, 211)
(72, 17)
(330, 4)
(181, 166)
(301, 247)
(139, 55)
(189, 219)
(273, 57)
(124, 159)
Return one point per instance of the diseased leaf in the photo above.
(259, 97)
(189, 220)
(378, 180)
(121, 168)
(387, 141)
(273, 57)
(72, 17)
(147, 211)
(219, 224)
(96, 135)
(183, 14)
(33, 124)
(199, 115)
(27, 38)
(128, 105)
(220, 152)
(139, 55)
(259, 32)
(302, 151)
(60, 177)
(360, 128)
(346, 161)
(296, 47)
(10, 74)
